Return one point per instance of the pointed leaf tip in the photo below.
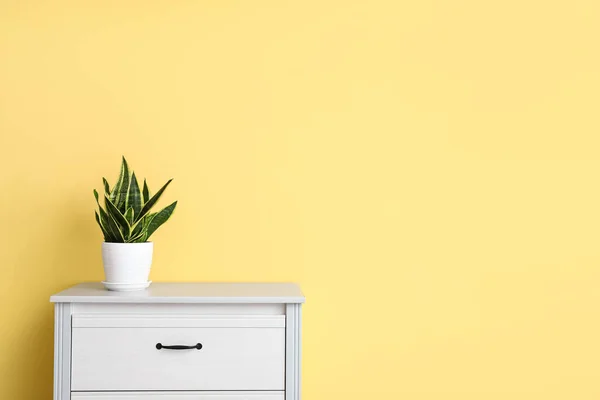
(121, 200)
(145, 193)
(150, 203)
(160, 218)
(134, 196)
(106, 186)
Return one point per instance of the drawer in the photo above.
(178, 396)
(121, 354)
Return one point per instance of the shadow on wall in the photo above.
(71, 254)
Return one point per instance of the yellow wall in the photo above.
(428, 171)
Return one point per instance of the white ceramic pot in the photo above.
(127, 265)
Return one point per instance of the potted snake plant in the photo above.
(127, 223)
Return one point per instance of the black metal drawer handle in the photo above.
(197, 346)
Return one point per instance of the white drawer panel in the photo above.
(179, 396)
(126, 358)
(178, 309)
(176, 321)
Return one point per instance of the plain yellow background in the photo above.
(428, 171)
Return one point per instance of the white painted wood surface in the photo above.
(62, 351)
(178, 396)
(127, 359)
(177, 321)
(293, 361)
(251, 335)
(257, 293)
(179, 309)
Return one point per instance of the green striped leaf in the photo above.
(114, 196)
(160, 218)
(134, 197)
(104, 232)
(150, 203)
(124, 189)
(138, 238)
(142, 224)
(119, 218)
(137, 228)
(129, 216)
(145, 193)
(114, 227)
(111, 229)
(119, 194)
(106, 186)
(148, 219)
(139, 231)
(112, 236)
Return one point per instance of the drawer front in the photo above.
(126, 358)
(178, 396)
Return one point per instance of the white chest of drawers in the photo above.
(179, 341)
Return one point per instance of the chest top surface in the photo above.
(94, 292)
